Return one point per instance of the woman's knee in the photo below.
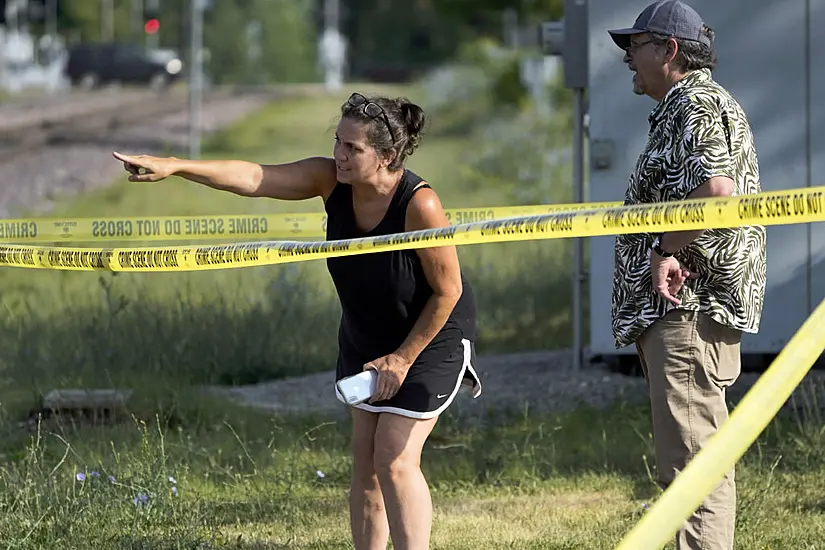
(392, 460)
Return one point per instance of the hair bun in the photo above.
(414, 120)
(414, 117)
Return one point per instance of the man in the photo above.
(685, 298)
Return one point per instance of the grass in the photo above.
(244, 479)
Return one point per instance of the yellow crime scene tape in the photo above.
(769, 208)
(232, 226)
(727, 446)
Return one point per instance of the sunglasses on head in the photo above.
(371, 109)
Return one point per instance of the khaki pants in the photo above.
(688, 360)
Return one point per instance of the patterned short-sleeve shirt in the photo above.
(697, 131)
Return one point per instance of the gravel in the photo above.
(511, 384)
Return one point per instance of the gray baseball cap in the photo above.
(668, 17)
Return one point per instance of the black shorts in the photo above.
(430, 386)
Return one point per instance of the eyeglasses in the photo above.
(633, 47)
(371, 109)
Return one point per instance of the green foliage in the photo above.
(526, 8)
(80, 20)
(484, 17)
(287, 42)
(508, 91)
(227, 58)
(383, 48)
(522, 146)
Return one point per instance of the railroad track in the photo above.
(15, 108)
(44, 111)
(27, 128)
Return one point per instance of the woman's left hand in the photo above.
(392, 370)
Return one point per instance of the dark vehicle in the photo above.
(93, 64)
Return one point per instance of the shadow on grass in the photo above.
(813, 505)
(153, 543)
(128, 542)
(535, 448)
(274, 509)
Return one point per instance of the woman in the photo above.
(410, 314)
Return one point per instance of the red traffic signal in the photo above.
(151, 26)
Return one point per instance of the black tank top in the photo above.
(382, 294)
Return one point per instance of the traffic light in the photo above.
(151, 26)
(151, 20)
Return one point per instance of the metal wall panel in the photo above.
(816, 28)
(761, 50)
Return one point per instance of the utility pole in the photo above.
(51, 19)
(136, 18)
(509, 21)
(333, 47)
(331, 14)
(3, 27)
(107, 20)
(195, 76)
(569, 39)
(576, 73)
